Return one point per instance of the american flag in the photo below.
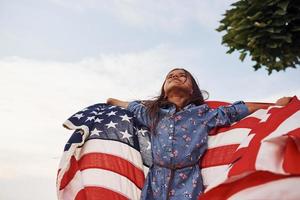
(108, 155)
(255, 158)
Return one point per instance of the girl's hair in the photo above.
(154, 105)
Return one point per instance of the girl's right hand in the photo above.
(283, 101)
(117, 102)
(110, 101)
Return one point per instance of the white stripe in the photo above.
(210, 174)
(114, 148)
(246, 141)
(262, 114)
(64, 163)
(287, 189)
(146, 170)
(223, 179)
(101, 178)
(271, 152)
(102, 146)
(71, 190)
(233, 136)
(110, 180)
(270, 156)
(286, 126)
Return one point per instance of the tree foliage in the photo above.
(269, 31)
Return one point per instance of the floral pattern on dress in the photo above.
(179, 142)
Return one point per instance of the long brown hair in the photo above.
(160, 101)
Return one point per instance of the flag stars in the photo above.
(125, 118)
(94, 112)
(142, 132)
(95, 132)
(78, 116)
(98, 120)
(125, 135)
(111, 113)
(90, 118)
(111, 125)
(99, 113)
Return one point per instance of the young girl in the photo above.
(180, 122)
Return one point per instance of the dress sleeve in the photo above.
(226, 115)
(140, 112)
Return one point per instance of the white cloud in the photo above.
(37, 96)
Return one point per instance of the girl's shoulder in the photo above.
(200, 109)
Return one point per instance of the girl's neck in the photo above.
(179, 100)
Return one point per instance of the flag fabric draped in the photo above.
(106, 157)
(109, 152)
(255, 158)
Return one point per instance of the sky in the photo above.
(59, 56)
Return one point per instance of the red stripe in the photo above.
(69, 174)
(223, 155)
(277, 116)
(249, 122)
(261, 103)
(216, 104)
(292, 153)
(224, 191)
(218, 156)
(114, 164)
(107, 162)
(98, 193)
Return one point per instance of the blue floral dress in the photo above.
(178, 144)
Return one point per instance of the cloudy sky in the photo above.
(58, 56)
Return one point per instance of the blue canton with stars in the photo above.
(111, 123)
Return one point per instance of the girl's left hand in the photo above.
(283, 101)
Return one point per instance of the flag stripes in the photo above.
(108, 155)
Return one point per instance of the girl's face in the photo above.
(178, 80)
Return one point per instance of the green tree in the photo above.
(268, 31)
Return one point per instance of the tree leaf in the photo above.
(272, 45)
(260, 24)
(230, 51)
(242, 56)
(265, 30)
(283, 5)
(280, 12)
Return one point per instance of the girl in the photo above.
(180, 122)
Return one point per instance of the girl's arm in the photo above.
(252, 107)
(138, 109)
(226, 115)
(117, 102)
